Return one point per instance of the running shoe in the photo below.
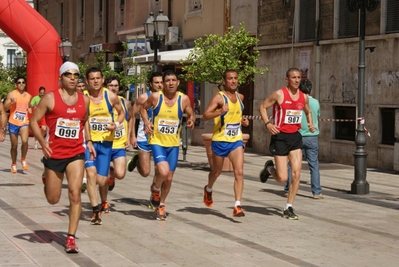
(43, 179)
(96, 219)
(238, 211)
(290, 214)
(111, 183)
(264, 174)
(154, 199)
(319, 196)
(36, 145)
(24, 165)
(105, 207)
(133, 162)
(161, 214)
(84, 185)
(13, 168)
(70, 246)
(208, 198)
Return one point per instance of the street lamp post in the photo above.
(360, 185)
(65, 49)
(19, 59)
(155, 31)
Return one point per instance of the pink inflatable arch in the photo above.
(38, 38)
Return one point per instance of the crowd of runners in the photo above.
(84, 127)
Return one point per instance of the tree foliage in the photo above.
(8, 75)
(215, 54)
(125, 80)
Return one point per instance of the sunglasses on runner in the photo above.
(20, 82)
(69, 75)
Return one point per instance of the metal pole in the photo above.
(360, 185)
(156, 44)
(184, 144)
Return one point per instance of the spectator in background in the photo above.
(310, 142)
(33, 104)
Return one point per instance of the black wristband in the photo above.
(89, 141)
(267, 123)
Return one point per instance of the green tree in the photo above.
(8, 75)
(215, 54)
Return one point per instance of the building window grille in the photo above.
(392, 16)
(387, 126)
(348, 21)
(345, 130)
(307, 20)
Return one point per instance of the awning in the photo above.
(165, 57)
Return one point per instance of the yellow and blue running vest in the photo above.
(227, 127)
(120, 136)
(167, 122)
(100, 116)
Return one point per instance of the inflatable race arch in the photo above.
(38, 38)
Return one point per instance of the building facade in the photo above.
(321, 38)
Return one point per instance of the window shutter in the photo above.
(348, 21)
(307, 20)
(392, 16)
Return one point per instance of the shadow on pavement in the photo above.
(207, 211)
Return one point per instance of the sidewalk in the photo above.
(340, 230)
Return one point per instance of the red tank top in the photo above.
(65, 127)
(288, 115)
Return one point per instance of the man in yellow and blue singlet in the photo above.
(164, 136)
(226, 108)
(118, 156)
(102, 128)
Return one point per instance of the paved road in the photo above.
(341, 230)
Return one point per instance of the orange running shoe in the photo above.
(155, 199)
(105, 207)
(111, 183)
(208, 198)
(161, 214)
(238, 212)
(24, 164)
(14, 168)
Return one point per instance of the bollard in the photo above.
(184, 140)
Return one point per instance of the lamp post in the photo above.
(155, 31)
(360, 185)
(65, 49)
(19, 59)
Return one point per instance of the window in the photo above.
(61, 18)
(348, 21)
(120, 13)
(98, 17)
(392, 16)
(80, 19)
(345, 130)
(10, 58)
(387, 126)
(307, 20)
(193, 7)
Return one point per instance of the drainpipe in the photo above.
(226, 16)
(318, 59)
(106, 26)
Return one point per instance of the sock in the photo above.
(96, 208)
(161, 204)
(288, 205)
(156, 189)
(269, 168)
(71, 235)
(209, 190)
(238, 203)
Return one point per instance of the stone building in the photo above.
(321, 38)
